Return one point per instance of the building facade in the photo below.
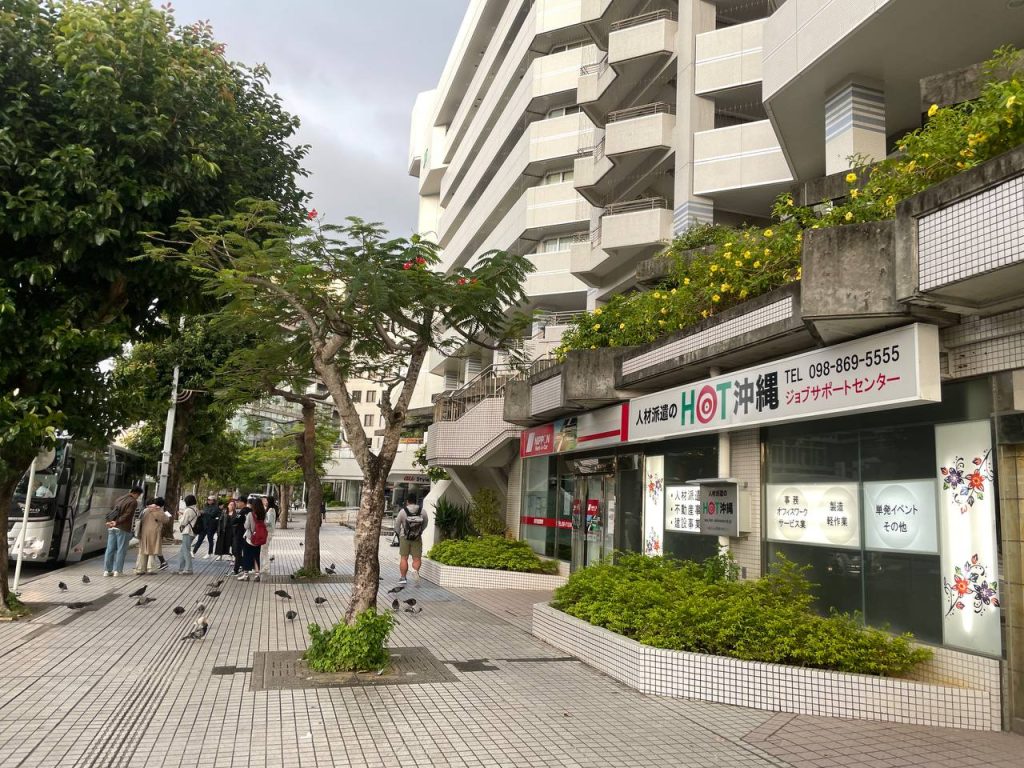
(867, 421)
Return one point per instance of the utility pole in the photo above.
(165, 455)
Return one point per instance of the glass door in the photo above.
(593, 519)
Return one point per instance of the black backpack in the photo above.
(413, 525)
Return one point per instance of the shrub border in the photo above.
(772, 687)
(486, 578)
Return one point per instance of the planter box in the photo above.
(781, 688)
(482, 578)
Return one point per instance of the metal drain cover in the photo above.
(285, 670)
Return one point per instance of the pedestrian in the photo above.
(270, 504)
(323, 511)
(150, 527)
(119, 531)
(410, 523)
(209, 521)
(188, 520)
(238, 534)
(224, 533)
(254, 538)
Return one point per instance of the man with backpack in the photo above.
(410, 524)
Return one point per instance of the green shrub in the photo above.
(485, 513)
(685, 606)
(452, 520)
(357, 647)
(494, 552)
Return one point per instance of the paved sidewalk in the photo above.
(113, 686)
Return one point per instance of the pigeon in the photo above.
(290, 615)
(282, 593)
(333, 566)
(86, 579)
(198, 631)
(215, 584)
(138, 592)
(145, 600)
(396, 590)
(200, 609)
(413, 610)
(178, 610)
(271, 558)
(213, 593)
(291, 576)
(394, 604)
(62, 586)
(330, 571)
(410, 602)
(76, 606)
(320, 600)
(300, 545)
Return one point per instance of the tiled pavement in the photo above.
(113, 687)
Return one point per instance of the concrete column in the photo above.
(693, 114)
(854, 124)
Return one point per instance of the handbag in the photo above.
(394, 540)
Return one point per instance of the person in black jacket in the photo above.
(209, 520)
(223, 544)
(238, 533)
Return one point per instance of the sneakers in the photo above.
(139, 573)
(257, 577)
(163, 566)
(107, 573)
(116, 573)
(403, 581)
(220, 557)
(243, 577)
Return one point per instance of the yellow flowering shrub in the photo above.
(706, 276)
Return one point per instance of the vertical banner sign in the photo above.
(966, 485)
(654, 505)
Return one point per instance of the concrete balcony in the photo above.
(635, 229)
(640, 129)
(650, 34)
(552, 279)
(584, 381)
(742, 166)
(729, 57)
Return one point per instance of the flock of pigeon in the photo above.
(202, 626)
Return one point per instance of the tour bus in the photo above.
(67, 516)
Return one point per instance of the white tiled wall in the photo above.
(514, 497)
(746, 466)
(773, 687)
(984, 345)
(450, 576)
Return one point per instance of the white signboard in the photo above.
(814, 513)
(971, 592)
(900, 515)
(895, 368)
(682, 512)
(654, 505)
(719, 509)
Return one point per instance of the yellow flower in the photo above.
(727, 245)
(657, 295)
(622, 326)
(854, 193)
(739, 263)
(664, 310)
(849, 216)
(714, 268)
(851, 177)
(673, 291)
(593, 346)
(664, 297)
(890, 200)
(757, 265)
(768, 233)
(661, 323)
(910, 166)
(686, 281)
(743, 293)
(746, 254)
(799, 272)
(704, 313)
(767, 251)
(597, 311)
(1011, 101)
(596, 327)
(932, 110)
(799, 237)
(727, 255)
(716, 298)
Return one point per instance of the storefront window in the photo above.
(857, 500)
(538, 523)
(685, 462)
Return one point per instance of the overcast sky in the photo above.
(350, 70)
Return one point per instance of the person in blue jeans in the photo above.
(119, 532)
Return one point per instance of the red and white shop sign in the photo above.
(537, 441)
(547, 522)
(605, 426)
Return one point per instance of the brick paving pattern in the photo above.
(114, 686)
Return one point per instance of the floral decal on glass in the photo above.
(967, 483)
(655, 485)
(970, 585)
(652, 546)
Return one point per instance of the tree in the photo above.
(112, 122)
(370, 307)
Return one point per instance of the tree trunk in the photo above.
(307, 459)
(285, 502)
(179, 447)
(8, 482)
(367, 568)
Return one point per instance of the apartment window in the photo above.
(571, 46)
(569, 109)
(368, 420)
(357, 396)
(563, 243)
(371, 396)
(558, 177)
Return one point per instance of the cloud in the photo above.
(350, 70)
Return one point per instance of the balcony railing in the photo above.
(595, 237)
(646, 204)
(596, 68)
(557, 318)
(657, 108)
(490, 382)
(643, 18)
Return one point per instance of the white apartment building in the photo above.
(587, 133)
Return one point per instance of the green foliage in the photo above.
(308, 574)
(700, 608)
(485, 513)
(436, 474)
(493, 552)
(748, 261)
(356, 647)
(276, 460)
(452, 520)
